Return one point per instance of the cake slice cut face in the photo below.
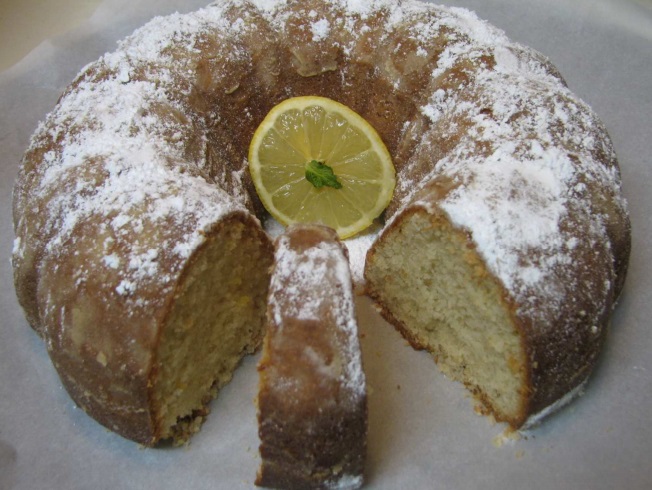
(442, 299)
(217, 318)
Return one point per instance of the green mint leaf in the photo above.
(320, 175)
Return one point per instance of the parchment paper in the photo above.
(423, 432)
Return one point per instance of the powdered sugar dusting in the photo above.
(527, 150)
(357, 246)
(537, 418)
(345, 482)
(320, 30)
(531, 216)
(311, 285)
(113, 131)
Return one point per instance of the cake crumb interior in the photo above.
(217, 318)
(446, 301)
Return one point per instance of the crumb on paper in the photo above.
(506, 436)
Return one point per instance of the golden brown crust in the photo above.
(312, 408)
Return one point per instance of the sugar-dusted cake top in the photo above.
(311, 312)
(133, 142)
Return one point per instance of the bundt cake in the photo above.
(312, 411)
(138, 260)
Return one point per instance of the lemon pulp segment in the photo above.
(301, 130)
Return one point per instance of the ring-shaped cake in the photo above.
(139, 259)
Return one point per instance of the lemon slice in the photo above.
(314, 160)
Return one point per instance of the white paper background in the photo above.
(423, 432)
